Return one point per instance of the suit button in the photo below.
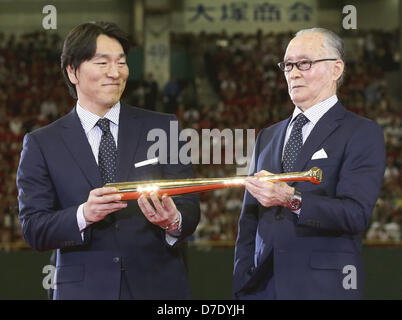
(116, 259)
(251, 270)
(117, 226)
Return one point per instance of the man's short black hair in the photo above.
(80, 46)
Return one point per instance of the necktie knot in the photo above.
(301, 120)
(103, 124)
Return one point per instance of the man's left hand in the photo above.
(163, 213)
(268, 193)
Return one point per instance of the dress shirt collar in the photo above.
(315, 112)
(89, 119)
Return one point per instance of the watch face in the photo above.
(294, 204)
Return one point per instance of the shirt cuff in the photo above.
(82, 223)
(173, 237)
(297, 212)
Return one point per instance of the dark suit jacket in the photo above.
(56, 173)
(312, 252)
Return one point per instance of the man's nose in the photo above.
(113, 71)
(294, 73)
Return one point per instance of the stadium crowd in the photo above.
(252, 92)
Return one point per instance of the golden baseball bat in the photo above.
(133, 190)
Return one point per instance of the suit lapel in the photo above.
(76, 141)
(128, 139)
(278, 148)
(324, 127)
(272, 155)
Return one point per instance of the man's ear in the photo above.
(72, 75)
(339, 66)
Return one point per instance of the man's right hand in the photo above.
(102, 202)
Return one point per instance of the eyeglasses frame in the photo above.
(281, 65)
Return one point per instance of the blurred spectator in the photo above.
(393, 230)
(151, 92)
(48, 109)
(376, 232)
(171, 94)
(188, 96)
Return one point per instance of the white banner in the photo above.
(249, 16)
(157, 48)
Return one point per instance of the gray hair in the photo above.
(332, 42)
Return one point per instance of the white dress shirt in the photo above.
(313, 114)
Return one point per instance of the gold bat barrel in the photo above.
(133, 190)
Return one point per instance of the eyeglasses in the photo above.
(302, 65)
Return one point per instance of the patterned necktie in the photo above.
(107, 153)
(294, 143)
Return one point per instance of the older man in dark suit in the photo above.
(106, 248)
(303, 241)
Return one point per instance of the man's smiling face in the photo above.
(100, 81)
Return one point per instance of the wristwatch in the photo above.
(295, 201)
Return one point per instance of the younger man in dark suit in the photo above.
(106, 248)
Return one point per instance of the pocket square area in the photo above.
(320, 154)
(146, 162)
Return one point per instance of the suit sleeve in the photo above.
(187, 204)
(358, 187)
(44, 225)
(248, 223)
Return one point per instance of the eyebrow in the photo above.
(298, 58)
(105, 55)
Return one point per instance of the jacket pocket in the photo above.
(73, 273)
(331, 260)
(327, 162)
